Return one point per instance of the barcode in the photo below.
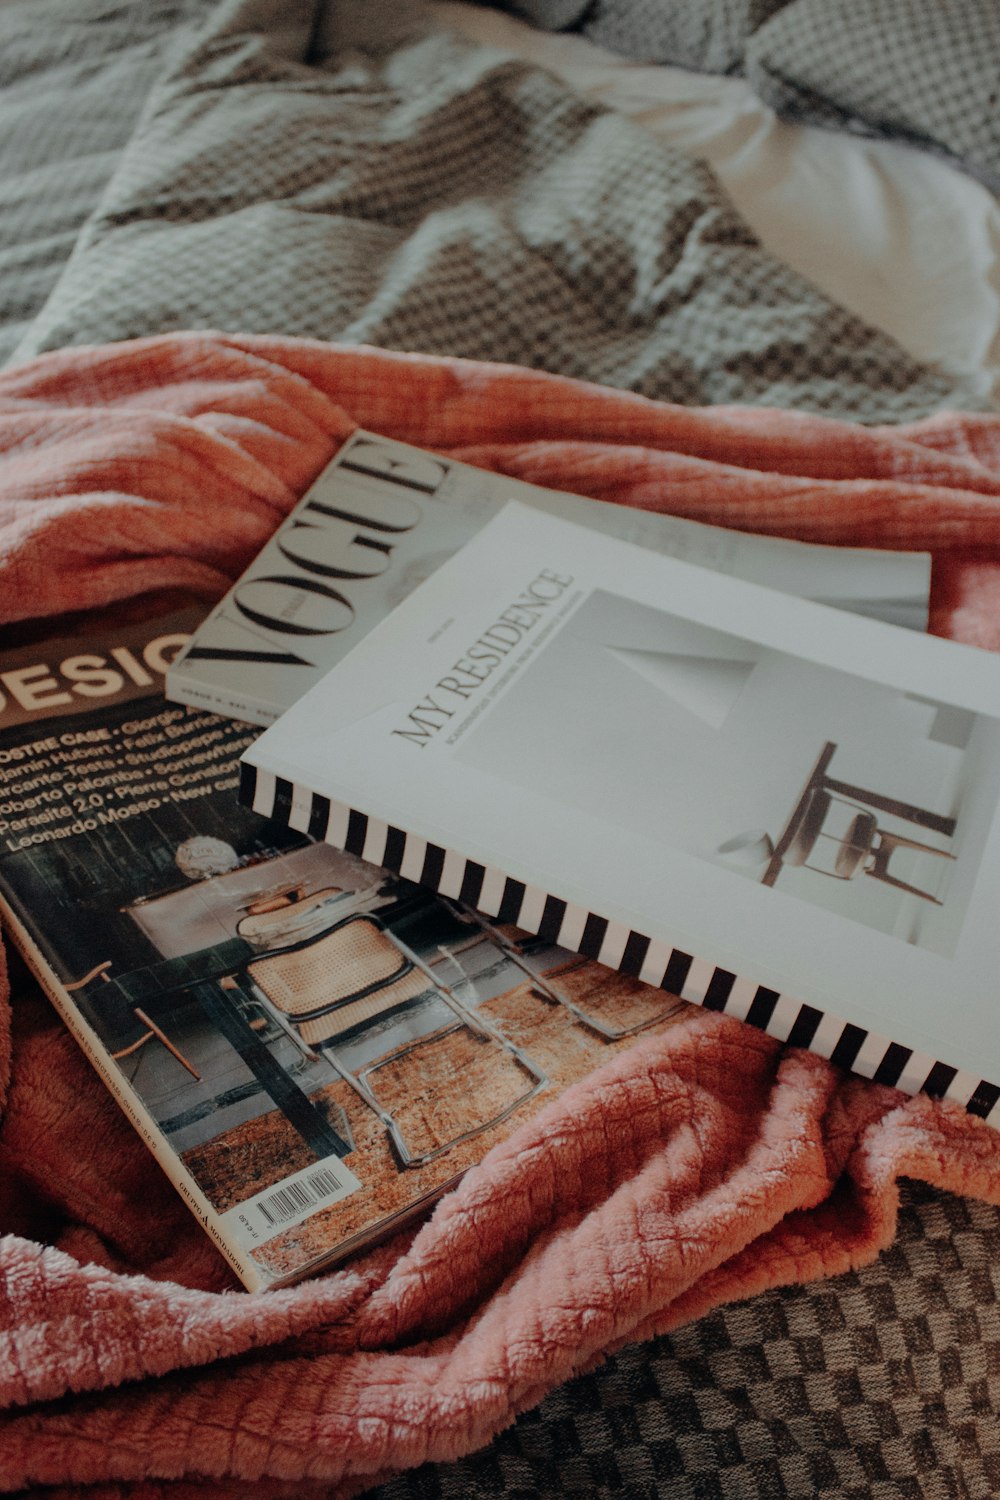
(289, 1201)
(276, 1210)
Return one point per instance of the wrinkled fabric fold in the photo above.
(704, 1164)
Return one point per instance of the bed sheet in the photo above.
(73, 82)
(322, 169)
(902, 238)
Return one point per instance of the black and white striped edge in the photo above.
(570, 926)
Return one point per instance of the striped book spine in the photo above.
(652, 960)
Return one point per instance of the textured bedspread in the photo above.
(702, 1165)
(353, 172)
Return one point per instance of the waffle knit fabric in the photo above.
(698, 1167)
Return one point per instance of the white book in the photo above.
(383, 515)
(757, 802)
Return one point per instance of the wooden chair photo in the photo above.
(863, 847)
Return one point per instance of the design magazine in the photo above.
(283, 1023)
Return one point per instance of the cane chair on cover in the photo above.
(514, 943)
(354, 980)
(862, 848)
(277, 923)
(283, 923)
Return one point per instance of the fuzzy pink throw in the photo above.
(697, 1167)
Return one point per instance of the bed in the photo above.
(722, 206)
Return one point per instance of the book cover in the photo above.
(383, 515)
(282, 1022)
(759, 803)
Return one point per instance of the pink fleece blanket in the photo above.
(697, 1167)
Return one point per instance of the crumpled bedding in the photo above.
(922, 71)
(309, 168)
(73, 82)
(704, 1164)
(710, 36)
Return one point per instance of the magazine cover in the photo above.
(383, 515)
(312, 1047)
(774, 808)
